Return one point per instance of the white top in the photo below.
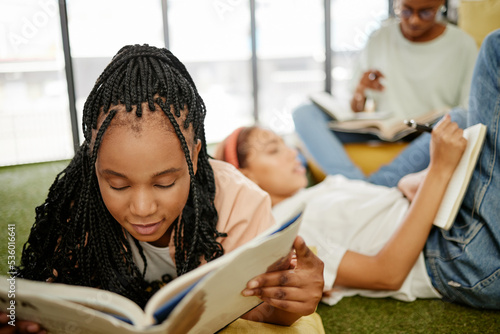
(159, 261)
(419, 76)
(341, 214)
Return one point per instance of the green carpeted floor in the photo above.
(24, 187)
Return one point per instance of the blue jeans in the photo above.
(464, 262)
(326, 147)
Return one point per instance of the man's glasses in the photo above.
(424, 14)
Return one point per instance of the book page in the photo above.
(332, 106)
(459, 182)
(390, 129)
(60, 316)
(219, 293)
(92, 298)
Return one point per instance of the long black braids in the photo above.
(74, 239)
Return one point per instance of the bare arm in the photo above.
(388, 269)
(410, 183)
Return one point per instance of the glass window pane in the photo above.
(212, 38)
(35, 122)
(99, 28)
(290, 49)
(352, 23)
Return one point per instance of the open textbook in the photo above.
(380, 123)
(460, 179)
(389, 129)
(340, 111)
(204, 300)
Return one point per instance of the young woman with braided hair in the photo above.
(142, 203)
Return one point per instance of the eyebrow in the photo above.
(274, 141)
(166, 171)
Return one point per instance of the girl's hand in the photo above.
(298, 290)
(447, 146)
(20, 327)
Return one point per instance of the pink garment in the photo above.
(244, 209)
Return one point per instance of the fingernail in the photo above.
(33, 328)
(247, 292)
(253, 284)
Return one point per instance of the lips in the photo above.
(146, 229)
(299, 169)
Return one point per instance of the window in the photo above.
(291, 53)
(214, 43)
(99, 28)
(349, 35)
(35, 121)
(256, 59)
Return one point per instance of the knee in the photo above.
(304, 113)
(459, 116)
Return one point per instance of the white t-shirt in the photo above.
(159, 261)
(419, 76)
(341, 214)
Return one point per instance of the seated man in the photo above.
(408, 68)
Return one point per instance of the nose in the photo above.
(143, 203)
(414, 18)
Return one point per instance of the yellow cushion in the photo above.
(369, 157)
(479, 18)
(308, 324)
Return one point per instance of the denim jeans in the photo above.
(326, 147)
(464, 262)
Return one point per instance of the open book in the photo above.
(202, 301)
(341, 110)
(390, 129)
(380, 123)
(460, 179)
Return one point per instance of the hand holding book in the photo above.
(450, 152)
(279, 288)
(213, 290)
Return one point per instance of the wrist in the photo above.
(358, 100)
(441, 171)
(360, 91)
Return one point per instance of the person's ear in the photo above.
(196, 152)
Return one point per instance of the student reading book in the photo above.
(372, 239)
(202, 301)
(141, 203)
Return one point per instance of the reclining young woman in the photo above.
(380, 241)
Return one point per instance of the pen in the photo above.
(418, 126)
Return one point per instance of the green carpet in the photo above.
(24, 187)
